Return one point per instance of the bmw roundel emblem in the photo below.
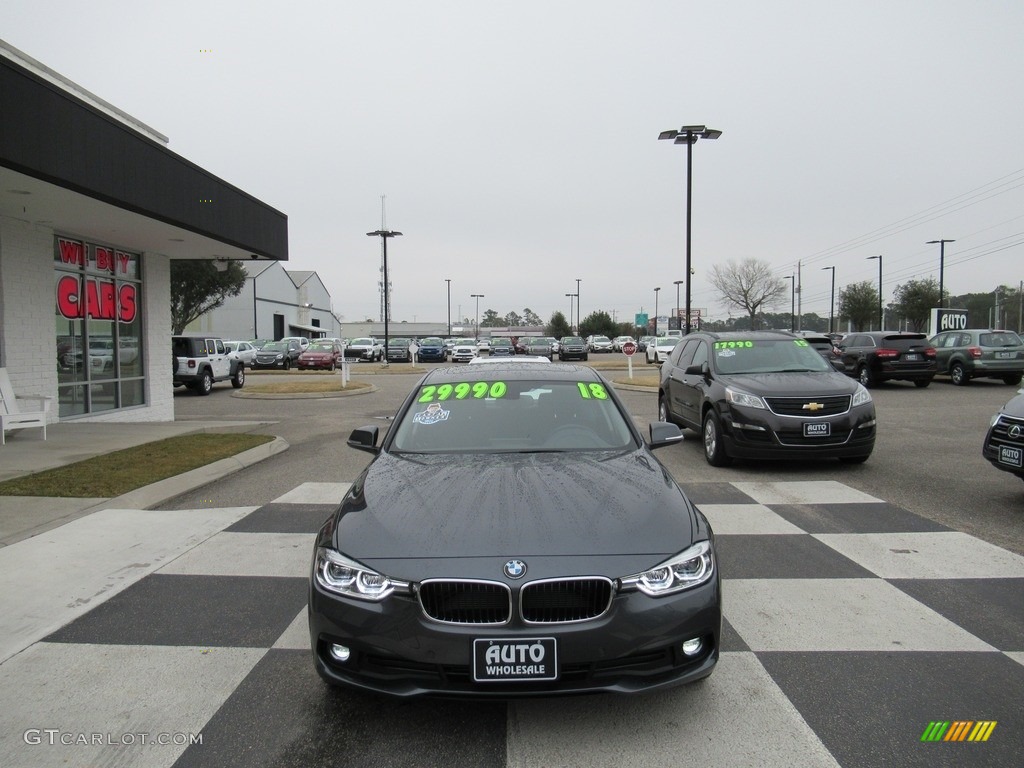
(515, 569)
(1014, 431)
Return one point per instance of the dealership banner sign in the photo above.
(95, 293)
(948, 320)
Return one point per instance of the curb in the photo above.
(151, 495)
(241, 393)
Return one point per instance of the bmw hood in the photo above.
(500, 505)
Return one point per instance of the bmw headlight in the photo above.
(336, 573)
(861, 396)
(736, 397)
(688, 569)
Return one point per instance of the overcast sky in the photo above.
(516, 142)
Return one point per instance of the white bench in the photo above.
(26, 412)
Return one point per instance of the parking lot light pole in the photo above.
(677, 283)
(942, 265)
(449, 306)
(477, 296)
(792, 301)
(656, 310)
(881, 313)
(832, 303)
(688, 135)
(384, 235)
(570, 295)
(578, 281)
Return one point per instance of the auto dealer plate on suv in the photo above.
(504, 660)
(817, 429)
(1011, 455)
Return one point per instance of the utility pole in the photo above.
(799, 298)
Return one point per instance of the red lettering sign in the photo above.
(71, 252)
(104, 258)
(101, 299)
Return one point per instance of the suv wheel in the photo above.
(922, 383)
(238, 380)
(663, 414)
(865, 377)
(714, 449)
(1012, 379)
(958, 374)
(287, 363)
(205, 384)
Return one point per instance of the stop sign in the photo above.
(629, 349)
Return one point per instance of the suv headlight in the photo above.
(861, 396)
(336, 573)
(736, 397)
(690, 568)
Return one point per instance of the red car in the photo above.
(320, 355)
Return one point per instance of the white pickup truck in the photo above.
(365, 349)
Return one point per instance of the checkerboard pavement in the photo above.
(851, 624)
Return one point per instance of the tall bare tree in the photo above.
(750, 285)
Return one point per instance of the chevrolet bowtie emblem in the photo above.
(812, 407)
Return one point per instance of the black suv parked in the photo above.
(765, 395)
(979, 354)
(198, 362)
(1004, 443)
(878, 356)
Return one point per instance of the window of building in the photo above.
(98, 327)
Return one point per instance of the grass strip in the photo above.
(122, 471)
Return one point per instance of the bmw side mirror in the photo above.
(364, 439)
(663, 433)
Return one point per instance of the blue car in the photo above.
(432, 350)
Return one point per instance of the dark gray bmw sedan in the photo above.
(514, 536)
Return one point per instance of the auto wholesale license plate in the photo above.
(1006, 355)
(817, 429)
(1011, 455)
(505, 660)
(912, 356)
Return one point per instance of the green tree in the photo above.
(558, 326)
(598, 323)
(531, 318)
(513, 319)
(491, 320)
(198, 287)
(914, 301)
(858, 303)
(750, 285)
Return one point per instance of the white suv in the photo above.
(199, 362)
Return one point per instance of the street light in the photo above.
(477, 296)
(688, 135)
(792, 301)
(577, 306)
(570, 297)
(449, 306)
(656, 310)
(942, 264)
(384, 234)
(832, 304)
(677, 283)
(881, 314)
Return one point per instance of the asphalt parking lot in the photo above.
(927, 457)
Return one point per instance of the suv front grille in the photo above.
(565, 600)
(809, 407)
(1001, 432)
(466, 602)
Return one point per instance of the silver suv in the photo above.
(979, 353)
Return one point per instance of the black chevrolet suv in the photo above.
(765, 395)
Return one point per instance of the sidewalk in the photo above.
(22, 517)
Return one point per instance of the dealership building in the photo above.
(93, 207)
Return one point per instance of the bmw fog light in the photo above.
(341, 653)
(690, 647)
